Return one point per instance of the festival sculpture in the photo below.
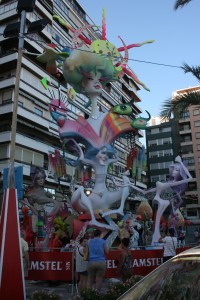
(88, 67)
(179, 178)
(37, 195)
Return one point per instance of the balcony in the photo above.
(5, 109)
(31, 143)
(33, 117)
(8, 10)
(184, 120)
(5, 136)
(7, 83)
(185, 131)
(186, 143)
(9, 58)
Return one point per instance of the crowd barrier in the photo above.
(60, 265)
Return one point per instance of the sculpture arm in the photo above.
(76, 147)
(152, 190)
(179, 160)
(113, 160)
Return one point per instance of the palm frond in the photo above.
(166, 109)
(181, 3)
(178, 105)
(194, 70)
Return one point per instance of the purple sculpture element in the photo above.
(179, 178)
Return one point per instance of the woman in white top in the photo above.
(81, 265)
(170, 245)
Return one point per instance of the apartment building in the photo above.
(178, 136)
(188, 138)
(37, 133)
(161, 149)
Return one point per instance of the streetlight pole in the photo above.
(11, 181)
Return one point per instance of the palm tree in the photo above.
(182, 101)
(181, 3)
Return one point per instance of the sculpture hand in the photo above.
(178, 159)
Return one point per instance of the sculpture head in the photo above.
(177, 173)
(82, 65)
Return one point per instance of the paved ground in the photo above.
(65, 290)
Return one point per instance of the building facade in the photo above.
(178, 136)
(161, 150)
(187, 126)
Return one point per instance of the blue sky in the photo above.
(176, 35)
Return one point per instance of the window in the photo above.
(197, 123)
(38, 159)
(168, 163)
(154, 130)
(115, 94)
(166, 141)
(152, 154)
(185, 114)
(198, 147)
(38, 111)
(167, 152)
(154, 166)
(187, 138)
(184, 127)
(6, 97)
(4, 151)
(189, 161)
(28, 156)
(162, 178)
(153, 143)
(187, 149)
(154, 178)
(192, 213)
(197, 135)
(162, 165)
(166, 129)
(196, 112)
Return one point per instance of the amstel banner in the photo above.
(144, 261)
(60, 265)
(51, 266)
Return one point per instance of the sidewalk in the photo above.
(65, 290)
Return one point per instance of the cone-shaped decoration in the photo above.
(12, 284)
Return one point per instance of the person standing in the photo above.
(96, 260)
(81, 265)
(181, 238)
(125, 267)
(25, 255)
(170, 245)
(196, 235)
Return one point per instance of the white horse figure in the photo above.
(101, 198)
